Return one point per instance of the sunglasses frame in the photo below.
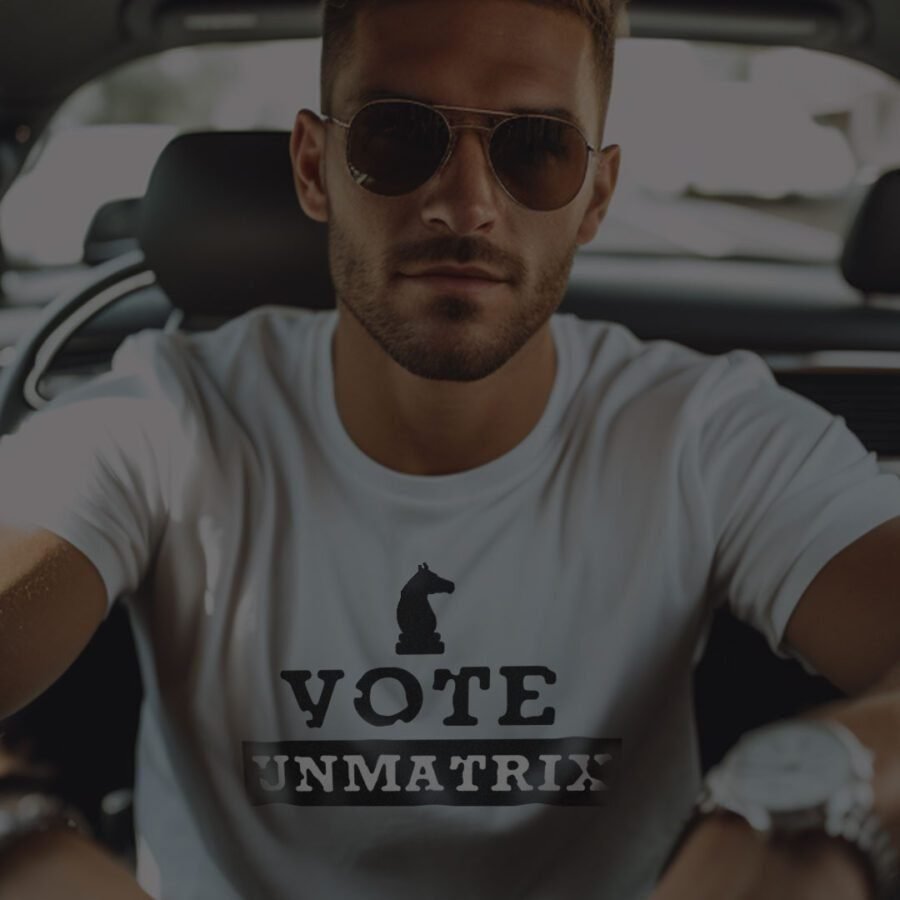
(487, 137)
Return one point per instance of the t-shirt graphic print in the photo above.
(451, 770)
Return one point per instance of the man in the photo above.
(423, 623)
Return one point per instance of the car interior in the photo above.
(219, 231)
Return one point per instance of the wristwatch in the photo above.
(804, 775)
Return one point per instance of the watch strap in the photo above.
(861, 826)
(868, 836)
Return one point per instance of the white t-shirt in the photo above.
(366, 684)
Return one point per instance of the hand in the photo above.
(725, 859)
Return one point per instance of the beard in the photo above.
(446, 339)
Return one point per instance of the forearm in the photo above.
(63, 865)
(724, 858)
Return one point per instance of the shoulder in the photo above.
(264, 339)
(614, 362)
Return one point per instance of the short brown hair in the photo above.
(340, 19)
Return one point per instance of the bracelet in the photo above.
(34, 813)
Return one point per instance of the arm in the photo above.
(847, 625)
(52, 600)
(56, 865)
(93, 467)
(725, 860)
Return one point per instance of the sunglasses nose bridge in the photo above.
(485, 133)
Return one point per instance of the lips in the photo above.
(456, 284)
(462, 272)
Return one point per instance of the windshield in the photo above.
(739, 152)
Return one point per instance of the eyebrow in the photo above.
(559, 112)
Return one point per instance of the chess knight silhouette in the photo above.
(416, 618)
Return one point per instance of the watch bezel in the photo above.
(837, 777)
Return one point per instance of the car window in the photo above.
(739, 152)
(744, 151)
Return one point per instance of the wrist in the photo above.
(816, 865)
(798, 777)
(723, 856)
(717, 855)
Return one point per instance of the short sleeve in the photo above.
(788, 487)
(94, 466)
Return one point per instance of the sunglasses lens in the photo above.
(541, 162)
(395, 148)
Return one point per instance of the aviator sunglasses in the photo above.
(395, 146)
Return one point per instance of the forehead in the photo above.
(490, 54)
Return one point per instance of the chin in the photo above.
(445, 337)
(455, 353)
(447, 368)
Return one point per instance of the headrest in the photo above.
(223, 230)
(871, 260)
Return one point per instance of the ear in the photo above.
(604, 186)
(308, 164)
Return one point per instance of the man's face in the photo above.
(486, 54)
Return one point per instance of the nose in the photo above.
(464, 196)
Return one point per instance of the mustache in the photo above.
(458, 251)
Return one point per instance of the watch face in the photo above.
(789, 767)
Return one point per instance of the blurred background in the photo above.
(740, 152)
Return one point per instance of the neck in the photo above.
(418, 426)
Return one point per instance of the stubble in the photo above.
(443, 340)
